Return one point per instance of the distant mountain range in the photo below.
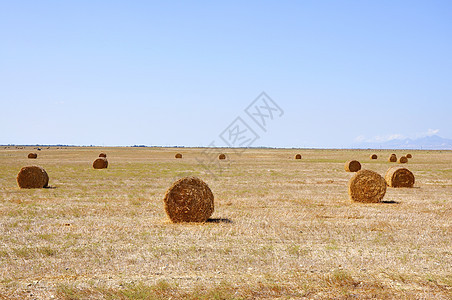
(432, 142)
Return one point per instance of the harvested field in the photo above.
(281, 228)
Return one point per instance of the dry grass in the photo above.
(281, 228)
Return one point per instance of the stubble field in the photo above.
(282, 228)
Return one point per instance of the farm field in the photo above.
(282, 228)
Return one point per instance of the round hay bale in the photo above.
(373, 156)
(100, 163)
(403, 160)
(189, 200)
(102, 155)
(392, 158)
(32, 155)
(367, 186)
(222, 156)
(298, 156)
(32, 177)
(399, 177)
(352, 166)
(178, 155)
(408, 155)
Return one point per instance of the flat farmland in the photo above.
(282, 228)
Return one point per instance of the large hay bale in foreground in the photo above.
(408, 155)
(392, 158)
(373, 156)
(100, 163)
(189, 200)
(178, 155)
(103, 155)
(298, 156)
(403, 160)
(367, 186)
(399, 177)
(352, 166)
(32, 177)
(32, 155)
(222, 156)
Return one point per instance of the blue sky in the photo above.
(174, 73)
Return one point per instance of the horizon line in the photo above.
(207, 147)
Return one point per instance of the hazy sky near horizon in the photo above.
(179, 73)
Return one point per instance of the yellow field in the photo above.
(281, 227)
